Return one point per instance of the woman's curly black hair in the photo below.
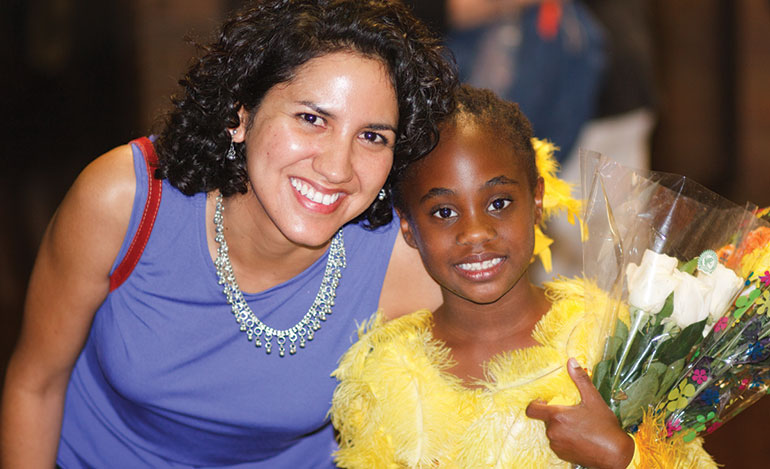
(264, 45)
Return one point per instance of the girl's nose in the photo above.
(476, 230)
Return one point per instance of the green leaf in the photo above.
(605, 391)
(690, 265)
(669, 377)
(657, 368)
(668, 308)
(621, 331)
(681, 345)
(602, 378)
(641, 393)
(601, 370)
(611, 348)
(744, 302)
(633, 354)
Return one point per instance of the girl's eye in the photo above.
(498, 204)
(374, 137)
(311, 119)
(444, 213)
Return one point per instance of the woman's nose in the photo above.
(476, 229)
(335, 164)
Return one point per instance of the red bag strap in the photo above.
(155, 188)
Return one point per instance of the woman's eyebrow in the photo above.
(315, 107)
(325, 113)
(381, 127)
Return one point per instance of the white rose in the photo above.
(722, 285)
(690, 297)
(650, 283)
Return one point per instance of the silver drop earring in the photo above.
(231, 151)
(381, 196)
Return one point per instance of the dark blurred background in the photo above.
(82, 76)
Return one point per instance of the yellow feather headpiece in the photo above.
(557, 198)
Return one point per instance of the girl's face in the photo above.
(471, 214)
(321, 146)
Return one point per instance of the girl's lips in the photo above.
(315, 199)
(481, 267)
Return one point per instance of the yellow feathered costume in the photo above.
(397, 406)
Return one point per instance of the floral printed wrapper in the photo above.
(731, 368)
(651, 243)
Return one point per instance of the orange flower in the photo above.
(757, 238)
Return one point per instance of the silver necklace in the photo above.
(261, 333)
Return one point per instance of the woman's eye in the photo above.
(444, 212)
(498, 204)
(311, 119)
(374, 137)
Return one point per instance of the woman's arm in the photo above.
(407, 286)
(69, 281)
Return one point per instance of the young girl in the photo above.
(482, 381)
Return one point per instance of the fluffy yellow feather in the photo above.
(557, 197)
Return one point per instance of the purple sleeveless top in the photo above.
(167, 379)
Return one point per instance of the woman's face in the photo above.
(471, 214)
(321, 145)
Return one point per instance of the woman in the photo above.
(286, 131)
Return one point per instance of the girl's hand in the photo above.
(588, 433)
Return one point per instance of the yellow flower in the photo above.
(677, 398)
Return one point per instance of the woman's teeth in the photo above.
(475, 266)
(307, 191)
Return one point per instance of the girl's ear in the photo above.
(539, 190)
(406, 230)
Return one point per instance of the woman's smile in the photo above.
(312, 197)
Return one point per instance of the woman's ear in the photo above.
(406, 229)
(539, 190)
(240, 132)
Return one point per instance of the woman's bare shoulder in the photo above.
(107, 184)
(93, 217)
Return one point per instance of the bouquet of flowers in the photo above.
(731, 368)
(651, 244)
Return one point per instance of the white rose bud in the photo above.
(650, 283)
(722, 285)
(690, 304)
